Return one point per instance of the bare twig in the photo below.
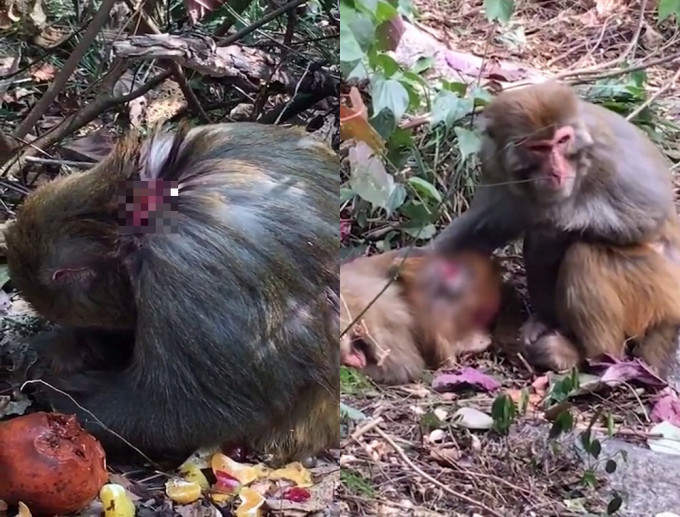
(150, 27)
(259, 23)
(655, 96)
(84, 116)
(620, 71)
(67, 69)
(619, 59)
(432, 480)
(56, 161)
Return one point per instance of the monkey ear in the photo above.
(70, 276)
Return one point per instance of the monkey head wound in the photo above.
(196, 307)
(430, 312)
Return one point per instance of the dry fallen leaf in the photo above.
(46, 72)
(166, 102)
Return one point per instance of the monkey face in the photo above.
(66, 267)
(536, 138)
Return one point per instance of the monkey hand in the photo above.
(553, 351)
(532, 330)
(58, 351)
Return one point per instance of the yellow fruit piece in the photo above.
(193, 474)
(181, 491)
(219, 498)
(245, 473)
(23, 510)
(294, 472)
(116, 501)
(251, 503)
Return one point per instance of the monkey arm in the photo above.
(495, 217)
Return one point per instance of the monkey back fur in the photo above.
(232, 314)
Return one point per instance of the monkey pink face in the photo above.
(550, 159)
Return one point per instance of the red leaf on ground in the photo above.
(465, 378)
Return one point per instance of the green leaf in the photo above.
(595, 448)
(384, 12)
(422, 63)
(455, 87)
(563, 423)
(480, 96)
(444, 108)
(363, 29)
(384, 62)
(390, 94)
(468, 142)
(351, 413)
(449, 107)
(500, 10)
(667, 8)
(425, 188)
(4, 275)
(430, 421)
(396, 199)
(416, 212)
(369, 6)
(589, 478)
(350, 50)
(503, 412)
(421, 232)
(369, 179)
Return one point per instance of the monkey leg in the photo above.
(658, 346)
(553, 351)
(588, 302)
(545, 346)
(66, 350)
(543, 253)
(311, 427)
(608, 294)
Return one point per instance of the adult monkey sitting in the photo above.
(593, 198)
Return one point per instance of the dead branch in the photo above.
(67, 69)
(234, 62)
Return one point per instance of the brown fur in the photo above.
(606, 294)
(636, 297)
(406, 329)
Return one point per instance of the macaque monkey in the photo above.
(205, 264)
(436, 309)
(592, 197)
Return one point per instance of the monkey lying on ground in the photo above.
(218, 286)
(436, 309)
(593, 198)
